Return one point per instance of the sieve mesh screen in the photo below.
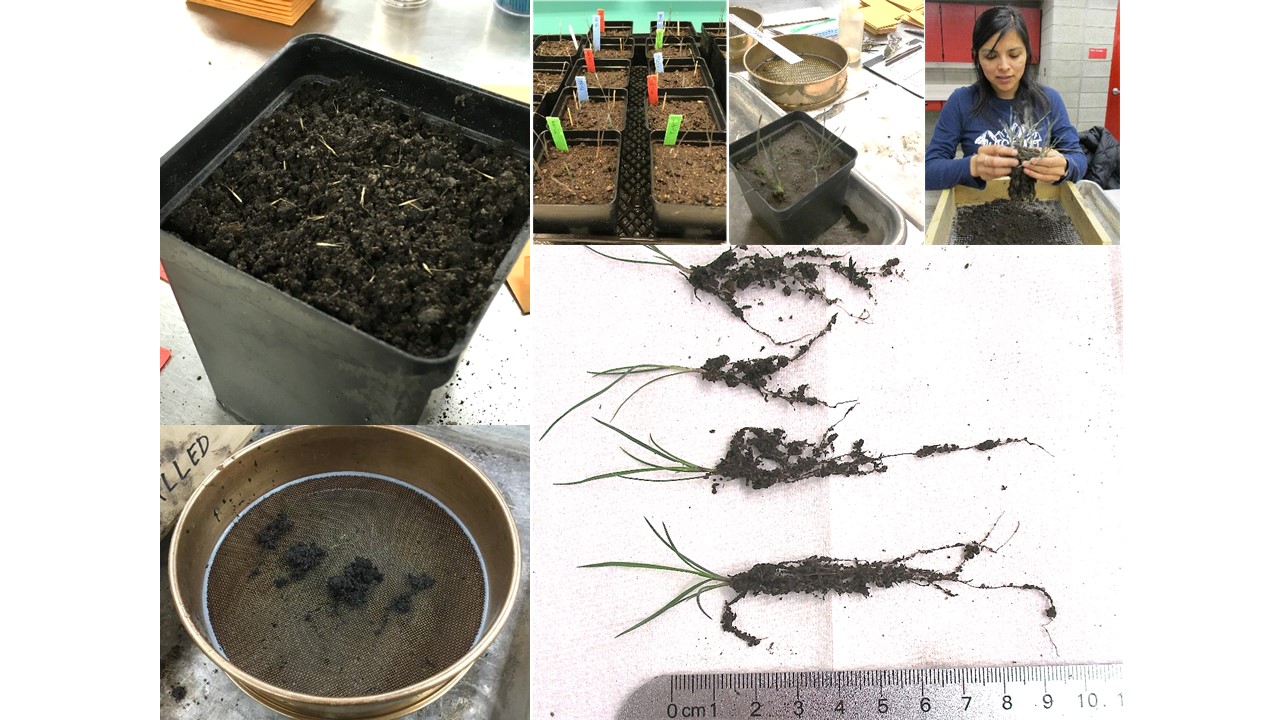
(1004, 222)
(811, 68)
(282, 623)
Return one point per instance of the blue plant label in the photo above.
(660, 15)
(595, 33)
(581, 81)
(657, 61)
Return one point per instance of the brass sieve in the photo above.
(815, 81)
(738, 40)
(412, 566)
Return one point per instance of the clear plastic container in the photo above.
(405, 3)
(851, 27)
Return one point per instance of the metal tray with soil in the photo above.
(1065, 214)
(343, 220)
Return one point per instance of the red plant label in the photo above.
(591, 59)
(652, 82)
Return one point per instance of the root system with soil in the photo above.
(820, 575)
(738, 270)
(760, 458)
(754, 374)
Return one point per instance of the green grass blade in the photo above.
(685, 558)
(632, 369)
(690, 592)
(626, 260)
(649, 566)
(582, 402)
(647, 384)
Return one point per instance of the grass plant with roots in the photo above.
(820, 575)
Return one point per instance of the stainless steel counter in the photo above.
(204, 54)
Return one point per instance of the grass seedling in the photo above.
(754, 374)
(760, 458)
(820, 575)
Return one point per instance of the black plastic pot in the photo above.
(577, 219)
(616, 43)
(618, 25)
(673, 65)
(580, 68)
(685, 44)
(565, 100)
(690, 222)
(697, 93)
(542, 102)
(272, 358)
(811, 214)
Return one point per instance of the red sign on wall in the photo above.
(1097, 53)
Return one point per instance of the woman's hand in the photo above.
(1050, 168)
(993, 161)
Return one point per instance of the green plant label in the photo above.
(673, 129)
(657, 39)
(557, 133)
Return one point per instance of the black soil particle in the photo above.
(270, 535)
(382, 217)
(1008, 222)
(353, 585)
(178, 693)
(300, 559)
(417, 583)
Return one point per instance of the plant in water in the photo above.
(760, 458)
(738, 270)
(819, 575)
(754, 374)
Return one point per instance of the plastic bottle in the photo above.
(851, 27)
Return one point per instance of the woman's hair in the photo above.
(1029, 98)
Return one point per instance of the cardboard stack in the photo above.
(286, 12)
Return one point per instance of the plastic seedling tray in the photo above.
(689, 222)
(580, 68)
(707, 80)
(270, 357)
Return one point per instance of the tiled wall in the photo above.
(1069, 28)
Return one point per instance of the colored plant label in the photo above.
(581, 82)
(591, 59)
(652, 82)
(557, 133)
(595, 33)
(673, 129)
(657, 61)
(660, 16)
(657, 39)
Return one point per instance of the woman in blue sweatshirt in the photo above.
(975, 117)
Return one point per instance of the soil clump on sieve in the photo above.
(1009, 222)
(379, 216)
(300, 559)
(353, 585)
(269, 536)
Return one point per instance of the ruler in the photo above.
(976, 693)
(761, 38)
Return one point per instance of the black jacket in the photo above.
(1103, 153)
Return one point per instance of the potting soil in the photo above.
(695, 117)
(397, 595)
(792, 163)
(581, 175)
(688, 174)
(1007, 222)
(382, 217)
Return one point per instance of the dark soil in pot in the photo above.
(607, 79)
(672, 52)
(689, 174)
(545, 82)
(596, 114)
(696, 115)
(681, 79)
(615, 53)
(378, 216)
(1008, 222)
(555, 48)
(794, 163)
(582, 175)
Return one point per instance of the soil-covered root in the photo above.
(1022, 187)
